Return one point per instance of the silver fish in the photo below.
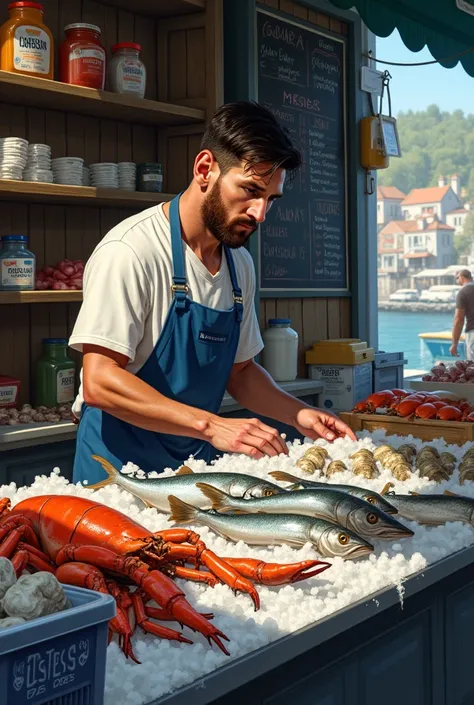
(275, 529)
(369, 496)
(434, 509)
(332, 505)
(155, 491)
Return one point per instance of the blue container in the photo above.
(59, 659)
(17, 264)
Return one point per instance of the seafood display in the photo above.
(334, 506)
(155, 491)
(329, 539)
(417, 405)
(87, 544)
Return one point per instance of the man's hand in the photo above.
(453, 350)
(248, 436)
(315, 423)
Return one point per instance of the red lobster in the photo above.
(90, 545)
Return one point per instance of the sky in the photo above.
(419, 86)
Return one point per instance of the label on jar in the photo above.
(87, 66)
(152, 177)
(18, 273)
(31, 49)
(131, 77)
(65, 386)
(8, 395)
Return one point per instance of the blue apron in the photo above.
(191, 364)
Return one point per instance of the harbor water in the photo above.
(398, 332)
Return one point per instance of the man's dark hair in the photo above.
(248, 132)
(464, 273)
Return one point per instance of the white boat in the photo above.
(439, 343)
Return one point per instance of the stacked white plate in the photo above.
(38, 165)
(13, 156)
(127, 176)
(104, 175)
(68, 170)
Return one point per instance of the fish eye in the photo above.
(343, 539)
(370, 499)
(268, 492)
(372, 518)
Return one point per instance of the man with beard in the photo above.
(168, 321)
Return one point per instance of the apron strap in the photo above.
(236, 290)
(179, 287)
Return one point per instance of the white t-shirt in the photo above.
(127, 291)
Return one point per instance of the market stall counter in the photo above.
(409, 645)
(29, 449)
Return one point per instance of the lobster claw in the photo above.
(277, 573)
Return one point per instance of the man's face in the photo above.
(238, 201)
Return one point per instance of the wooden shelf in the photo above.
(160, 8)
(43, 93)
(36, 192)
(39, 297)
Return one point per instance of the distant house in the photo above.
(457, 217)
(419, 244)
(389, 199)
(433, 201)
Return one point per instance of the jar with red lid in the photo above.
(126, 72)
(82, 56)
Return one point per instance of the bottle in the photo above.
(26, 43)
(126, 72)
(280, 354)
(82, 56)
(55, 374)
(17, 264)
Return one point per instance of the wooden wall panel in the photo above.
(73, 231)
(313, 319)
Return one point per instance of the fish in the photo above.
(330, 540)
(434, 509)
(154, 491)
(332, 505)
(368, 495)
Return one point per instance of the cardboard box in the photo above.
(344, 385)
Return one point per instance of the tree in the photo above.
(464, 241)
(433, 143)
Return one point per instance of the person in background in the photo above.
(464, 313)
(168, 320)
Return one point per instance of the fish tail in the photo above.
(284, 476)
(109, 469)
(218, 498)
(181, 512)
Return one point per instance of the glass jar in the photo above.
(17, 264)
(55, 374)
(27, 45)
(126, 72)
(150, 177)
(280, 354)
(82, 56)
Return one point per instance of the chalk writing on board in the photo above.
(301, 79)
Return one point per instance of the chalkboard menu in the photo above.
(301, 79)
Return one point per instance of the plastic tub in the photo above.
(59, 659)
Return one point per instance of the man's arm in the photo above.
(457, 330)
(254, 389)
(108, 386)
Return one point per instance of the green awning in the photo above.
(446, 27)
